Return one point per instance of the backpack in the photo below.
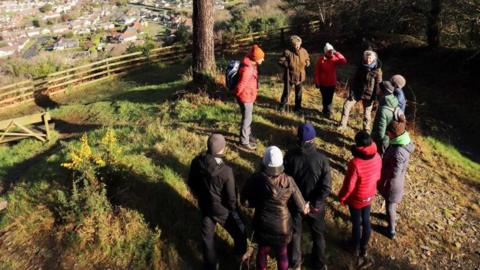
(231, 74)
(398, 114)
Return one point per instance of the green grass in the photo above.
(154, 222)
(455, 159)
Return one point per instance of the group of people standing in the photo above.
(291, 189)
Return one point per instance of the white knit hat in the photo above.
(328, 47)
(273, 160)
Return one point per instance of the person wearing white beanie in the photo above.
(326, 76)
(269, 191)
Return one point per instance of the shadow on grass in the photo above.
(158, 73)
(152, 93)
(162, 207)
(43, 100)
(15, 172)
(63, 126)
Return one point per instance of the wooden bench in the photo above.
(18, 128)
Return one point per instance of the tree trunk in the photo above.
(203, 41)
(433, 24)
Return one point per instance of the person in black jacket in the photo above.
(311, 171)
(211, 181)
(269, 191)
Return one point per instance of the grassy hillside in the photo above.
(135, 211)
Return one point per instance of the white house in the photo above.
(45, 31)
(7, 51)
(127, 37)
(64, 43)
(60, 29)
(33, 33)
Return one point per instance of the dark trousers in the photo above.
(316, 223)
(234, 227)
(286, 93)
(327, 98)
(361, 228)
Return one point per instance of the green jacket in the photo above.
(383, 118)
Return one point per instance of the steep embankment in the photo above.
(159, 134)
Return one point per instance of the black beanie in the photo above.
(363, 139)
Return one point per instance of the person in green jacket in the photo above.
(386, 112)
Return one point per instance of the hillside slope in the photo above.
(160, 129)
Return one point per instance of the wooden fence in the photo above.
(54, 83)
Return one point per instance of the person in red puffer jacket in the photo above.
(246, 93)
(326, 76)
(359, 188)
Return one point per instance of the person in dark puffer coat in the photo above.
(394, 168)
(359, 189)
(269, 191)
(311, 171)
(212, 183)
(365, 85)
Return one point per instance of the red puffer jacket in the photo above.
(326, 69)
(247, 86)
(364, 170)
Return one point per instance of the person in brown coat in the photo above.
(294, 61)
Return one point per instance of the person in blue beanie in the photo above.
(311, 171)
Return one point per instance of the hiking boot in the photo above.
(253, 140)
(391, 234)
(356, 252)
(249, 146)
(363, 252)
(341, 128)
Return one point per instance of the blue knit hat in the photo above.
(306, 132)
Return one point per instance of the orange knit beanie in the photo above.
(256, 53)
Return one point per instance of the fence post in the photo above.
(108, 68)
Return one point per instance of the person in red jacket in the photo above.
(246, 93)
(326, 76)
(359, 188)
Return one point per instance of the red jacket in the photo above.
(247, 86)
(326, 69)
(364, 170)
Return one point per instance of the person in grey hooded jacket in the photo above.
(394, 168)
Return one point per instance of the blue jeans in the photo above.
(360, 223)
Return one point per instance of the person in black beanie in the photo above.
(212, 183)
(311, 171)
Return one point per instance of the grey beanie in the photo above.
(387, 87)
(216, 143)
(398, 81)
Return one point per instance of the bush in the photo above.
(94, 232)
(41, 66)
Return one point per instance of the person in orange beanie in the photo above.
(246, 93)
